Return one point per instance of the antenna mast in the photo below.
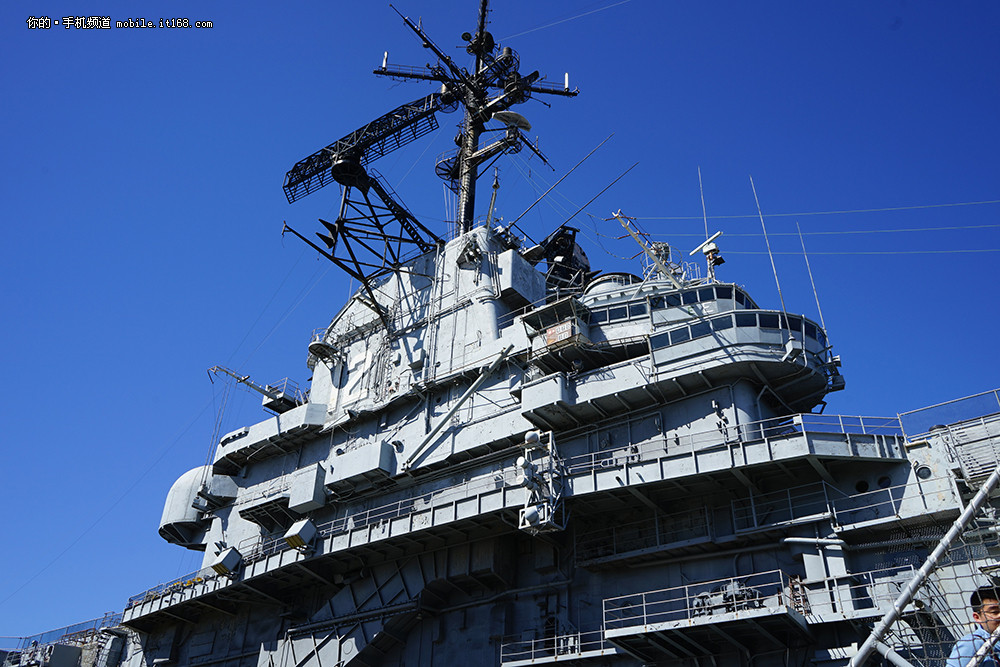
(494, 86)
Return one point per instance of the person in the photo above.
(985, 603)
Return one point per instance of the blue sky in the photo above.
(142, 209)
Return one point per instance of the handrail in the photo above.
(109, 620)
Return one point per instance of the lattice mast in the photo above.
(494, 86)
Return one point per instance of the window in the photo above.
(700, 329)
(746, 319)
(706, 294)
(724, 292)
(769, 321)
(598, 316)
(690, 297)
(795, 323)
(811, 330)
(659, 340)
(656, 302)
(679, 336)
(672, 300)
(617, 313)
(720, 323)
(636, 309)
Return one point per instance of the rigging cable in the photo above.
(768, 244)
(870, 252)
(266, 306)
(561, 179)
(566, 20)
(859, 210)
(317, 276)
(822, 322)
(135, 482)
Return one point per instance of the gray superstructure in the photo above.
(508, 458)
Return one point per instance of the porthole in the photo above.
(861, 486)
(924, 472)
(884, 482)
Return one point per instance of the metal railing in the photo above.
(261, 493)
(846, 596)
(855, 594)
(703, 599)
(256, 548)
(290, 388)
(773, 509)
(919, 422)
(566, 646)
(109, 620)
(173, 586)
(674, 444)
(887, 502)
(660, 531)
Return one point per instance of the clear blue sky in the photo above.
(142, 207)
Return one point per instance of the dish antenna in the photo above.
(512, 119)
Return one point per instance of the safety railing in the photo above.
(564, 646)
(109, 620)
(289, 388)
(173, 586)
(890, 501)
(660, 531)
(865, 593)
(772, 509)
(702, 599)
(679, 444)
(261, 493)
(845, 596)
(920, 422)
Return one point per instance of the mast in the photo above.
(472, 127)
(494, 86)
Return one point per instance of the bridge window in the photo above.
(720, 323)
(769, 321)
(700, 329)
